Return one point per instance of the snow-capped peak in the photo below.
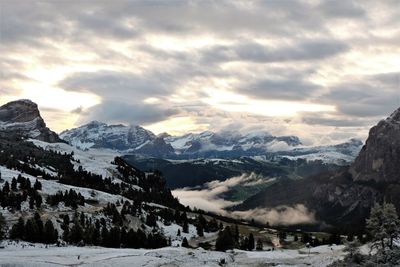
(101, 135)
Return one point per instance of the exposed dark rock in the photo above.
(379, 159)
(22, 117)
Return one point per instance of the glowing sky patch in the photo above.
(177, 126)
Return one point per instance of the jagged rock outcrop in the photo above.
(379, 159)
(156, 148)
(22, 117)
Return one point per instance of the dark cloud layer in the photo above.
(281, 89)
(255, 52)
(134, 113)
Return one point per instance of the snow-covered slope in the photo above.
(51, 187)
(24, 254)
(340, 154)
(94, 160)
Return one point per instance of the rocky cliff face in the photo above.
(22, 117)
(379, 159)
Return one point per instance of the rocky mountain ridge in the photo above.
(379, 159)
(137, 140)
(23, 116)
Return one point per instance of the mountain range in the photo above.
(340, 197)
(139, 141)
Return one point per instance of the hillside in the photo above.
(52, 192)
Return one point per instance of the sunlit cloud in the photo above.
(232, 102)
(177, 125)
(50, 97)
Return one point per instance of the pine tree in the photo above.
(17, 231)
(76, 233)
(244, 243)
(2, 224)
(66, 234)
(95, 239)
(259, 245)
(104, 237)
(14, 184)
(353, 248)
(384, 224)
(151, 220)
(334, 238)
(114, 237)
(225, 240)
(124, 237)
(6, 188)
(31, 202)
(179, 232)
(37, 185)
(185, 227)
(251, 242)
(200, 230)
(237, 234)
(38, 200)
(31, 231)
(39, 225)
(50, 234)
(185, 243)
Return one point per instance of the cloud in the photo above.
(282, 215)
(210, 198)
(130, 113)
(256, 52)
(281, 89)
(123, 96)
(314, 52)
(346, 10)
(117, 85)
(366, 96)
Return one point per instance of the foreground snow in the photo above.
(24, 254)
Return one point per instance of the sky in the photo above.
(325, 71)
